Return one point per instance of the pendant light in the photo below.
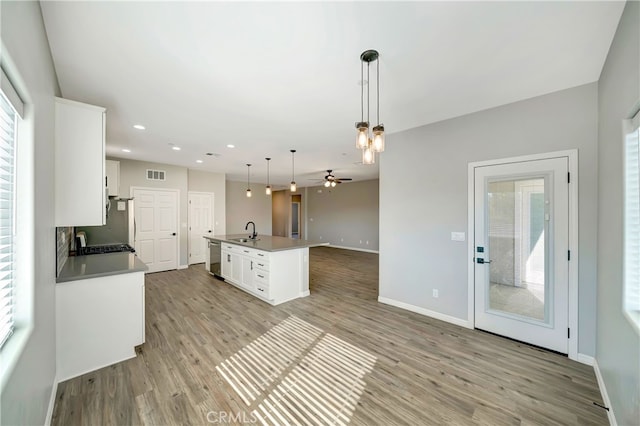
(248, 182)
(268, 188)
(369, 144)
(293, 181)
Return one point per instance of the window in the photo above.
(631, 302)
(8, 131)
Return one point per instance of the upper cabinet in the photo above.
(113, 177)
(80, 196)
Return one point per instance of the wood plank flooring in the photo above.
(426, 372)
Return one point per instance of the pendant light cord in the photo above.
(378, 88)
(293, 165)
(361, 90)
(368, 92)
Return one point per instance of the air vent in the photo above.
(155, 174)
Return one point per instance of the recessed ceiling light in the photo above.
(175, 148)
(139, 126)
(198, 161)
(126, 150)
(231, 146)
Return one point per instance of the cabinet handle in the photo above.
(262, 255)
(228, 258)
(261, 276)
(261, 289)
(246, 251)
(252, 265)
(260, 264)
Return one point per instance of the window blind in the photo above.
(632, 219)
(8, 126)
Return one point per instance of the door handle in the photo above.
(209, 231)
(174, 234)
(252, 265)
(482, 261)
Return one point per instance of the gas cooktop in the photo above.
(108, 248)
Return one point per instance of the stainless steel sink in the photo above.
(245, 240)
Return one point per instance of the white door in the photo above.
(156, 236)
(200, 223)
(521, 251)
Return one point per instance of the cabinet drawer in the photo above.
(261, 278)
(231, 248)
(261, 264)
(262, 290)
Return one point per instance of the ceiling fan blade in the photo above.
(344, 179)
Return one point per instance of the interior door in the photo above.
(521, 251)
(156, 240)
(295, 219)
(200, 223)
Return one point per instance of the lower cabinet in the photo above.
(275, 277)
(99, 322)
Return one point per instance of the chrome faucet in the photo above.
(254, 234)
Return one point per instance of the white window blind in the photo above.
(632, 219)
(8, 126)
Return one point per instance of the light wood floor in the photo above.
(427, 372)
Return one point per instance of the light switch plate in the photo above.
(457, 236)
(121, 206)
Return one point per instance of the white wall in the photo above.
(423, 196)
(26, 58)
(212, 182)
(346, 215)
(242, 209)
(618, 348)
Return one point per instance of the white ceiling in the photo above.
(269, 77)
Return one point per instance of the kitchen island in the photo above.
(274, 269)
(100, 314)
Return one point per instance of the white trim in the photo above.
(585, 359)
(52, 402)
(572, 157)
(353, 248)
(426, 312)
(605, 395)
(187, 266)
(177, 191)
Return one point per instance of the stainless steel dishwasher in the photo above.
(214, 257)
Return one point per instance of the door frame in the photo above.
(213, 225)
(178, 234)
(572, 157)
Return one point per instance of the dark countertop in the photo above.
(100, 265)
(267, 242)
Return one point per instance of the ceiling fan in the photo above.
(331, 181)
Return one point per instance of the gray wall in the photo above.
(280, 213)
(242, 209)
(212, 182)
(346, 215)
(26, 57)
(423, 196)
(618, 349)
(133, 173)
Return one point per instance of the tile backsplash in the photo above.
(63, 240)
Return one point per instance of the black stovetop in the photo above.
(107, 248)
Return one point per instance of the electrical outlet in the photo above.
(367, 242)
(360, 241)
(457, 236)
(342, 240)
(435, 293)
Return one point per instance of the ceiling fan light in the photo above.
(327, 183)
(368, 154)
(333, 183)
(268, 190)
(363, 135)
(378, 138)
(293, 186)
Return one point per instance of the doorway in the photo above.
(156, 227)
(200, 216)
(295, 216)
(521, 226)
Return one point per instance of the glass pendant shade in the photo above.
(327, 184)
(268, 190)
(368, 154)
(363, 135)
(378, 138)
(248, 193)
(293, 186)
(333, 184)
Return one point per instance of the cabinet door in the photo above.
(79, 164)
(112, 169)
(247, 272)
(236, 268)
(225, 264)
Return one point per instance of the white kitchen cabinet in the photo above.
(99, 321)
(247, 273)
(79, 164)
(112, 170)
(231, 265)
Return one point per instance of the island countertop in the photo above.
(100, 265)
(266, 242)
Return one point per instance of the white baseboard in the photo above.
(183, 266)
(605, 395)
(426, 312)
(585, 359)
(52, 402)
(353, 248)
